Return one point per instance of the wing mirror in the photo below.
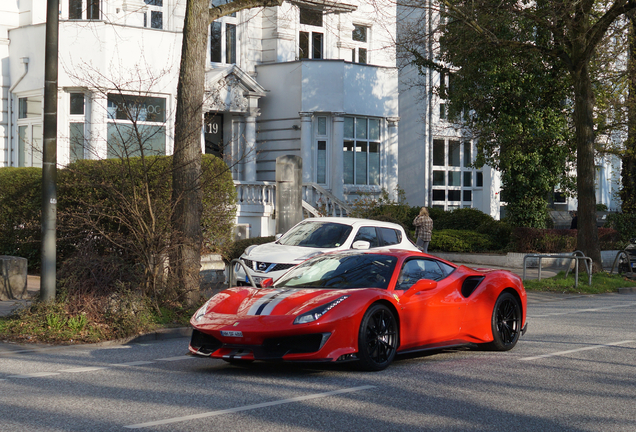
(266, 283)
(361, 245)
(420, 285)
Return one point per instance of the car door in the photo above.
(429, 316)
(367, 233)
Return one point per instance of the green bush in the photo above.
(460, 241)
(20, 213)
(624, 223)
(461, 219)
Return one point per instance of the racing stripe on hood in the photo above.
(267, 303)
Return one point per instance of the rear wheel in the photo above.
(506, 323)
(377, 338)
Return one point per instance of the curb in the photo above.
(628, 290)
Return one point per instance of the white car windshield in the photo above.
(341, 271)
(317, 234)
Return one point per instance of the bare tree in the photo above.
(186, 191)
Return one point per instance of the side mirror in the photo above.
(420, 285)
(266, 283)
(361, 245)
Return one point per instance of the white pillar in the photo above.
(305, 146)
(337, 157)
(392, 157)
(250, 148)
(97, 140)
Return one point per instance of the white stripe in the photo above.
(254, 308)
(248, 407)
(270, 307)
(34, 375)
(593, 347)
(136, 363)
(84, 369)
(181, 357)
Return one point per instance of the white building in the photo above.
(312, 78)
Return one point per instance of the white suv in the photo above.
(315, 236)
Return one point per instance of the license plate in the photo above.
(230, 333)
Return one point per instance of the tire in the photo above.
(377, 338)
(505, 323)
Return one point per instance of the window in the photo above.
(76, 127)
(468, 157)
(83, 9)
(417, 269)
(439, 178)
(439, 195)
(153, 17)
(442, 111)
(361, 151)
(438, 152)
(468, 179)
(359, 54)
(223, 42)
(454, 195)
(321, 150)
(310, 36)
(29, 131)
(479, 179)
(390, 236)
(454, 178)
(468, 195)
(312, 17)
(453, 153)
(136, 125)
(367, 234)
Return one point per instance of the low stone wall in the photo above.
(515, 259)
(13, 278)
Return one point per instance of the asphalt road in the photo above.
(573, 371)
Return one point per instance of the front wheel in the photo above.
(377, 338)
(505, 323)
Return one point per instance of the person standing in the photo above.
(423, 229)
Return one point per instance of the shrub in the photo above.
(624, 223)
(20, 210)
(461, 219)
(460, 241)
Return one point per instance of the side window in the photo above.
(367, 234)
(390, 236)
(417, 269)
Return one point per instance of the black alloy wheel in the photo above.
(377, 338)
(506, 323)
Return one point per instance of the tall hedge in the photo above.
(99, 193)
(20, 213)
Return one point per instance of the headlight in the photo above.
(198, 314)
(316, 313)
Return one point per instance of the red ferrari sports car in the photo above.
(364, 306)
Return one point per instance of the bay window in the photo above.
(361, 151)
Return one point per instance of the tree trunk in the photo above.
(587, 236)
(186, 192)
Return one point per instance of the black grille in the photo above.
(254, 265)
(278, 347)
(469, 285)
(204, 343)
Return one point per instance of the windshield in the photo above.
(341, 271)
(317, 235)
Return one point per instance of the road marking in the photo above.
(136, 363)
(601, 309)
(34, 375)
(177, 358)
(248, 407)
(593, 347)
(84, 369)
